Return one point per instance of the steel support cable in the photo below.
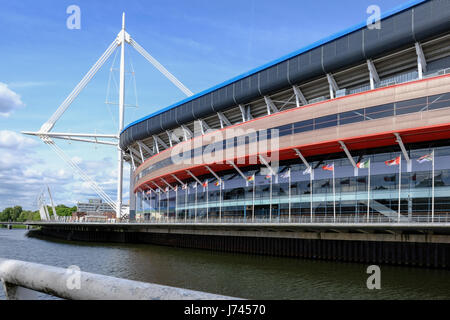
(92, 183)
(85, 177)
(81, 173)
(46, 127)
(111, 75)
(161, 68)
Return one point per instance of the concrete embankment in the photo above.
(397, 244)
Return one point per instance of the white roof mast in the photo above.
(46, 136)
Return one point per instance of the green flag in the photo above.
(363, 164)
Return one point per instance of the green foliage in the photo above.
(11, 214)
(18, 214)
(62, 210)
(29, 216)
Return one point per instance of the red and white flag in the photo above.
(329, 167)
(393, 162)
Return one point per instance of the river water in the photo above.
(238, 275)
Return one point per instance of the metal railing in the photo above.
(295, 219)
(305, 219)
(23, 280)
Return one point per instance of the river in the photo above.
(238, 275)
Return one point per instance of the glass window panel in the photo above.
(303, 126)
(351, 116)
(325, 122)
(439, 101)
(377, 112)
(410, 106)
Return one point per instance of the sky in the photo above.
(203, 43)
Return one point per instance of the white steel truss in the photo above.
(332, 85)
(405, 153)
(373, 73)
(224, 122)
(46, 136)
(349, 156)
(194, 177)
(271, 107)
(421, 61)
(231, 163)
(299, 97)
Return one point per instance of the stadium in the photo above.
(355, 127)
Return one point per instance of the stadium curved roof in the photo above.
(406, 24)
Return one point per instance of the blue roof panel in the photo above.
(316, 44)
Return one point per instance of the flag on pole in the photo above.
(268, 177)
(194, 185)
(307, 170)
(184, 186)
(149, 192)
(425, 158)
(329, 167)
(217, 183)
(167, 189)
(287, 174)
(205, 184)
(393, 162)
(251, 178)
(175, 188)
(363, 164)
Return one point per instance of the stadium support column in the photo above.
(121, 117)
(421, 61)
(405, 153)
(373, 74)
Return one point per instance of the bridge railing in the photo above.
(24, 280)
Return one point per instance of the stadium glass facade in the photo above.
(272, 197)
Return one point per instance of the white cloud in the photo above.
(24, 173)
(14, 140)
(9, 100)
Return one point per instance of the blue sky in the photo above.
(202, 43)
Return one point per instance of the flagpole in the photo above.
(368, 193)
(207, 207)
(253, 202)
(270, 199)
(220, 200)
(399, 185)
(334, 198)
(195, 214)
(432, 186)
(289, 194)
(311, 192)
(185, 202)
(168, 203)
(176, 203)
(159, 203)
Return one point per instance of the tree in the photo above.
(62, 210)
(15, 213)
(6, 214)
(18, 214)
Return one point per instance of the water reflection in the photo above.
(246, 276)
